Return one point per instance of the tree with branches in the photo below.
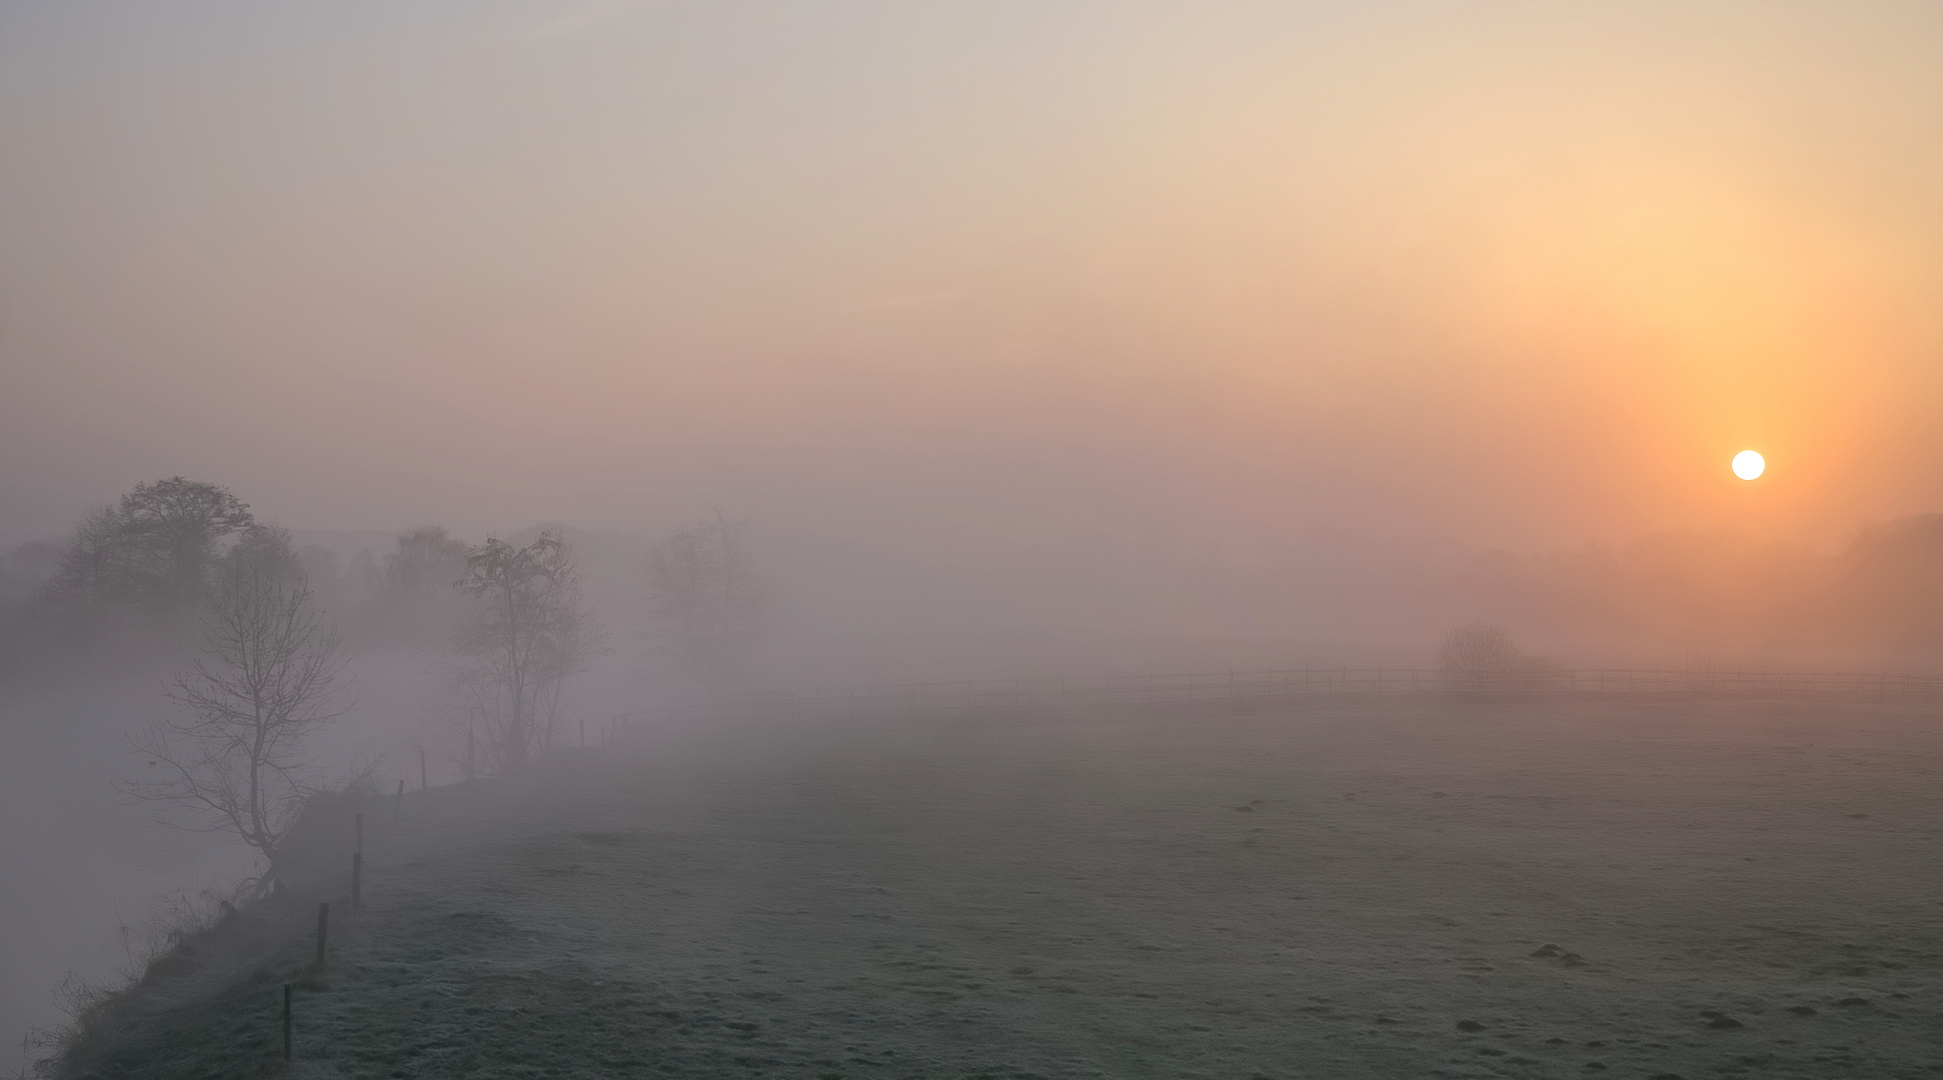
(234, 753)
(531, 631)
(153, 553)
(704, 600)
(1481, 656)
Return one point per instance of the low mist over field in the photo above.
(459, 404)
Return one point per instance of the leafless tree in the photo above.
(1482, 656)
(234, 754)
(530, 633)
(705, 600)
(1478, 649)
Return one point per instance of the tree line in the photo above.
(180, 560)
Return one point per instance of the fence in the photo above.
(1018, 695)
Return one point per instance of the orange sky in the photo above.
(1506, 274)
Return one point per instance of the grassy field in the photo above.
(1371, 888)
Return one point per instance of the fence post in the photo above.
(398, 801)
(422, 782)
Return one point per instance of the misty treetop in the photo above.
(169, 560)
(265, 550)
(427, 560)
(529, 632)
(153, 553)
(156, 557)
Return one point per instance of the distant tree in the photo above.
(153, 552)
(426, 560)
(1885, 589)
(265, 550)
(104, 568)
(529, 634)
(472, 712)
(1478, 649)
(705, 601)
(576, 642)
(415, 598)
(1482, 655)
(234, 754)
(319, 562)
(323, 571)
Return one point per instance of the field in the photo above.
(1374, 887)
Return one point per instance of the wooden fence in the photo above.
(1285, 684)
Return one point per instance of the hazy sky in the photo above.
(1215, 274)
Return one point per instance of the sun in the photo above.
(1749, 465)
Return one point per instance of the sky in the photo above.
(973, 277)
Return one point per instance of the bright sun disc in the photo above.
(1748, 465)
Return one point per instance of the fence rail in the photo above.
(988, 695)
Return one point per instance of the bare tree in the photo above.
(530, 633)
(1478, 649)
(1482, 656)
(705, 600)
(234, 754)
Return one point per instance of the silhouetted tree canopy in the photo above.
(530, 632)
(265, 551)
(427, 559)
(153, 553)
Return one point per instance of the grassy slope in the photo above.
(1091, 898)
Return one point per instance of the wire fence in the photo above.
(1286, 684)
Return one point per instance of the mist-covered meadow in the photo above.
(1339, 888)
(632, 633)
(798, 446)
